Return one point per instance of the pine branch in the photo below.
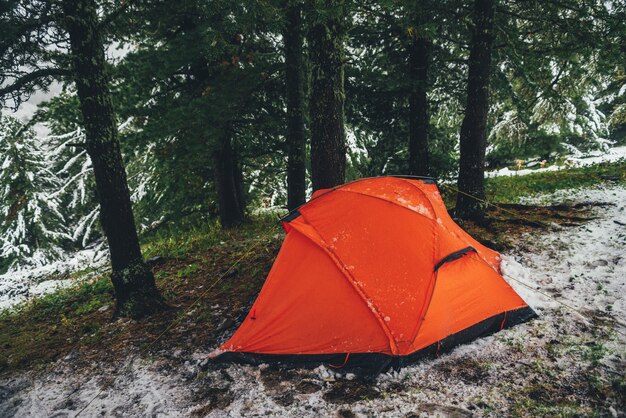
(32, 77)
(108, 19)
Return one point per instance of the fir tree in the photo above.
(31, 58)
(70, 162)
(327, 33)
(293, 40)
(206, 93)
(473, 137)
(32, 226)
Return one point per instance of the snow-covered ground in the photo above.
(558, 362)
(19, 286)
(612, 155)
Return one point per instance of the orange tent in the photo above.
(371, 274)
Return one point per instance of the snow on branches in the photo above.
(32, 225)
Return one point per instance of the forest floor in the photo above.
(62, 353)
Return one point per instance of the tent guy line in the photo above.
(486, 202)
(587, 319)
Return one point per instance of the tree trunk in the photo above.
(418, 107)
(328, 147)
(474, 127)
(239, 186)
(294, 73)
(135, 290)
(228, 196)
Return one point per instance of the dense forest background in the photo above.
(220, 110)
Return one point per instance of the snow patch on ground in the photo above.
(141, 390)
(547, 362)
(612, 155)
(583, 267)
(19, 286)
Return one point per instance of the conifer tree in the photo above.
(473, 139)
(205, 91)
(32, 226)
(327, 55)
(294, 84)
(70, 162)
(30, 61)
(419, 52)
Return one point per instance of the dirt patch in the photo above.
(308, 387)
(284, 399)
(278, 384)
(505, 222)
(345, 413)
(217, 397)
(466, 369)
(351, 391)
(218, 401)
(275, 379)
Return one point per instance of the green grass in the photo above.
(175, 242)
(72, 301)
(511, 189)
(187, 271)
(530, 407)
(34, 331)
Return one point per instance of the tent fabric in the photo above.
(372, 271)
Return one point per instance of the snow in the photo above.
(586, 269)
(582, 266)
(612, 155)
(142, 392)
(19, 286)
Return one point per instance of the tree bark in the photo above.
(473, 142)
(418, 107)
(226, 184)
(294, 74)
(239, 186)
(328, 146)
(227, 172)
(135, 290)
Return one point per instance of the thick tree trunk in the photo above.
(226, 183)
(418, 108)
(294, 73)
(328, 146)
(135, 290)
(474, 127)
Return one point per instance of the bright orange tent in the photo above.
(371, 274)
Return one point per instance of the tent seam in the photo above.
(422, 192)
(433, 283)
(393, 345)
